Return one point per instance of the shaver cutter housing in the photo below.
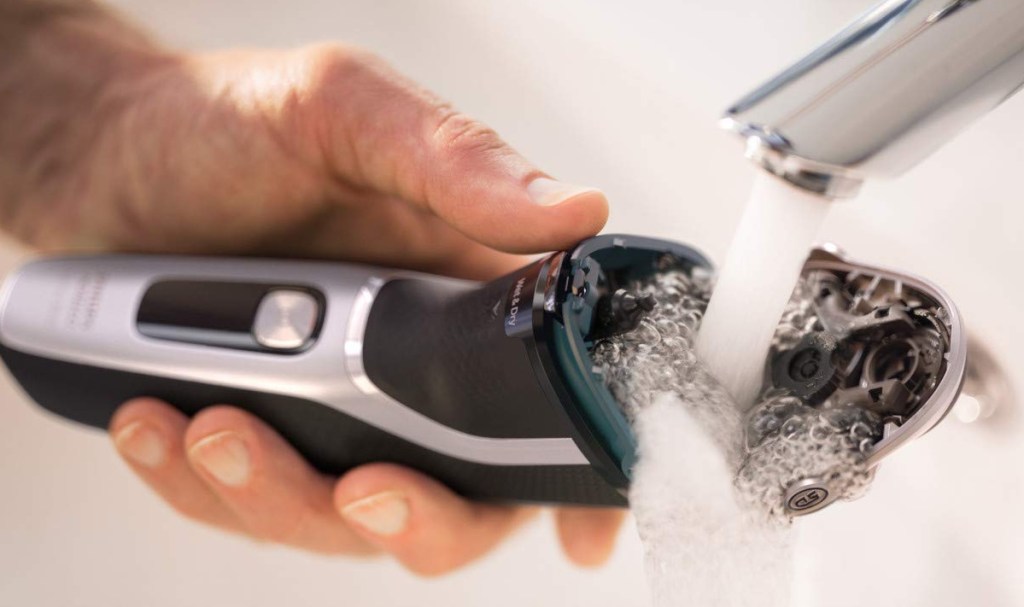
(587, 279)
(890, 286)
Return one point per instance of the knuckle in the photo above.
(330, 81)
(457, 133)
(330, 65)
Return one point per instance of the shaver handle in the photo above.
(414, 370)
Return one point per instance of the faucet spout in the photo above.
(884, 93)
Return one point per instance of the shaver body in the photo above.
(351, 364)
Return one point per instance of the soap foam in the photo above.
(708, 488)
(702, 546)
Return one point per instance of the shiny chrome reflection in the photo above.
(884, 93)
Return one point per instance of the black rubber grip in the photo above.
(440, 347)
(330, 440)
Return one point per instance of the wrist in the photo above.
(67, 69)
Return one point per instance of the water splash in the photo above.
(755, 282)
(708, 488)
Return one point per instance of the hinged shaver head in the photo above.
(866, 359)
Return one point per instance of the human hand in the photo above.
(319, 152)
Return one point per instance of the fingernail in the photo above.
(224, 456)
(141, 444)
(548, 192)
(384, 513)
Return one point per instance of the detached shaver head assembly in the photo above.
(490, 388)
(873, 356)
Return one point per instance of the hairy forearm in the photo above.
(65, 65)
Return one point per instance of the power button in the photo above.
(286, 319)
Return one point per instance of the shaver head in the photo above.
(868, 352)
(877, 354)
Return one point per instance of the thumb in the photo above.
(388, 134)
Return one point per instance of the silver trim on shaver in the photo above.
(358, 317)
(82, 310)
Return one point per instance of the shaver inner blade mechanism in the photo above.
(857, 355)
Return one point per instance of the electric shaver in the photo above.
(490, 388)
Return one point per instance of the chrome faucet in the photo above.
(884, 93)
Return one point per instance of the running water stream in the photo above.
(704, 495)
(755, 282)
(703, 544)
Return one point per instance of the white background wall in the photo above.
(624, 96)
